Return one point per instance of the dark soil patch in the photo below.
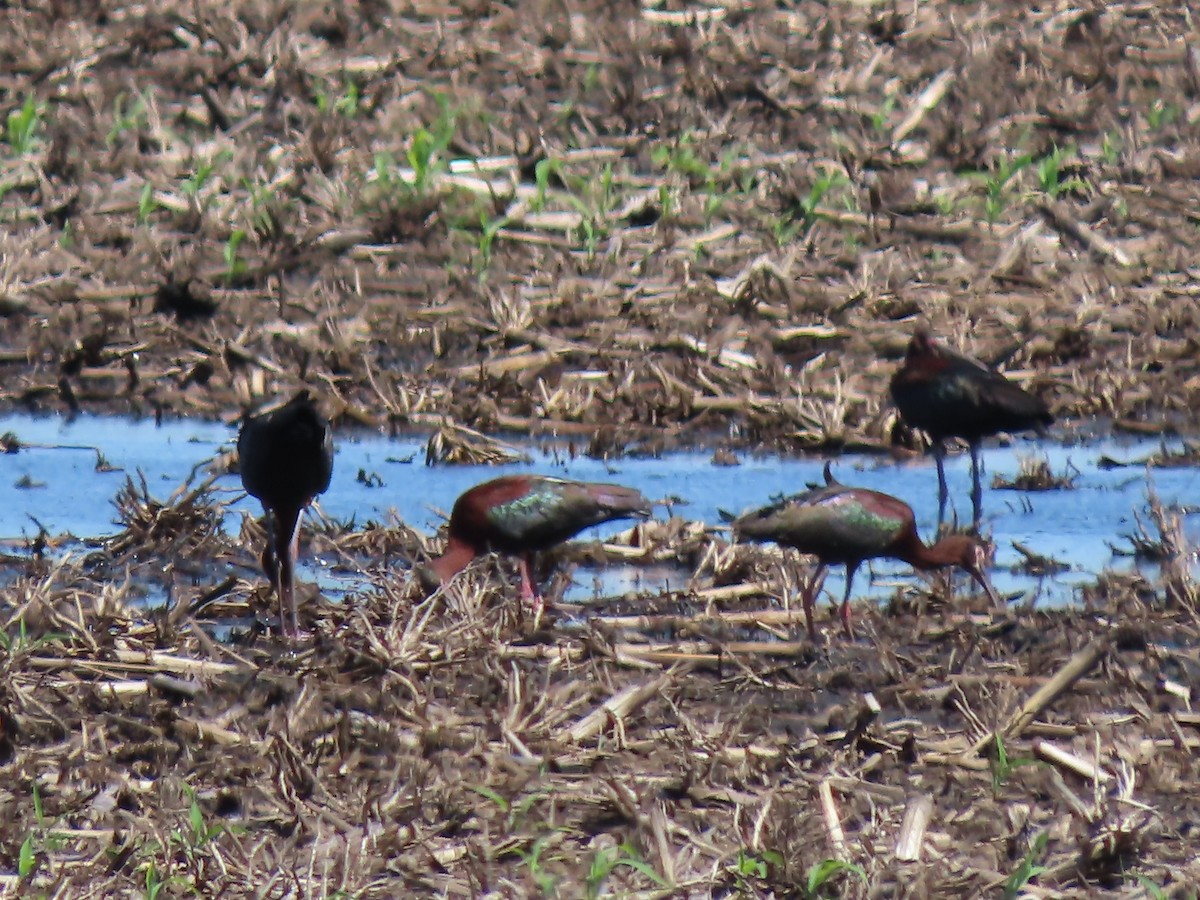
(645, 221)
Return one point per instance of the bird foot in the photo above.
(294, 634)
(539, 608)
(847, 627)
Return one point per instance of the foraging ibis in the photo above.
(522, 514)
(843, 525)
(286, 460)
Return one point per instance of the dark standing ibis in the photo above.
(844, 526)
(286, 458)
(947, 394)
(522, 514)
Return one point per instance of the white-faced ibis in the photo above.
(286, 459)
(522, 514)
(947, 394)
(844, 526)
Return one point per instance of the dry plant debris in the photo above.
(425, 745)
(644, 226)
(653, 223)
(687, 746)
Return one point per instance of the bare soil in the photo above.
(636, 223)
(645, 225)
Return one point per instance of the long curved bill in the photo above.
(984, 582)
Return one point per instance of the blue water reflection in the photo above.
(54, 480)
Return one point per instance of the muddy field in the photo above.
(640, 226)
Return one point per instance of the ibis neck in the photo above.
(456, 558)
(946, 552)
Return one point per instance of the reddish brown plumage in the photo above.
(845, 526)
(949, 394)
(522, 514)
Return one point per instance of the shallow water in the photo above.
(1077, 527)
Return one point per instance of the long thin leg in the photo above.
(269, 563)
(287, 541)
(807, 598)
(845, 611)
(529, 591)
(976, 486)
(939, 455)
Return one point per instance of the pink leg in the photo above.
(845, 611)
(529, 591)
(809, 600)
(287, 550)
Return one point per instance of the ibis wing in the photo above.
(554, 510)
(836, 523)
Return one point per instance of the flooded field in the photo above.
(1086, 527)
(653, 234)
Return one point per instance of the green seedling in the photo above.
(489, 228)
(128, 115)
(26, 859)
(385, 171)
(235, 266)
(593, 232)
(747, 181)
(820, 188)
(880, 118)
(666, 201)
(681, 159)
(146, 203)
(821, 874)
(154, 882)
(595, 202)
(1110, 148)
(1003, 767)
(266, 202)
(1028, 869)
(1161, 114)
(488, 794)
(750, 866)
(1155, 892)
(946, 203)
(546, 881)
(515, 813)
(39, 838)
(713, 204)
(427, 145)
(193, 184)
(996, 182)
(347, 105)
(606, 861)
(541, 178)
(23, 642)
(805, 214)
(591, 76)
(608, 196)
(1050, 175)
(200, 833)
(22, 125)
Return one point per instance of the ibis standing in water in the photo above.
(844, 526)
(522, 514)
(947, 394)
(286, 460)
